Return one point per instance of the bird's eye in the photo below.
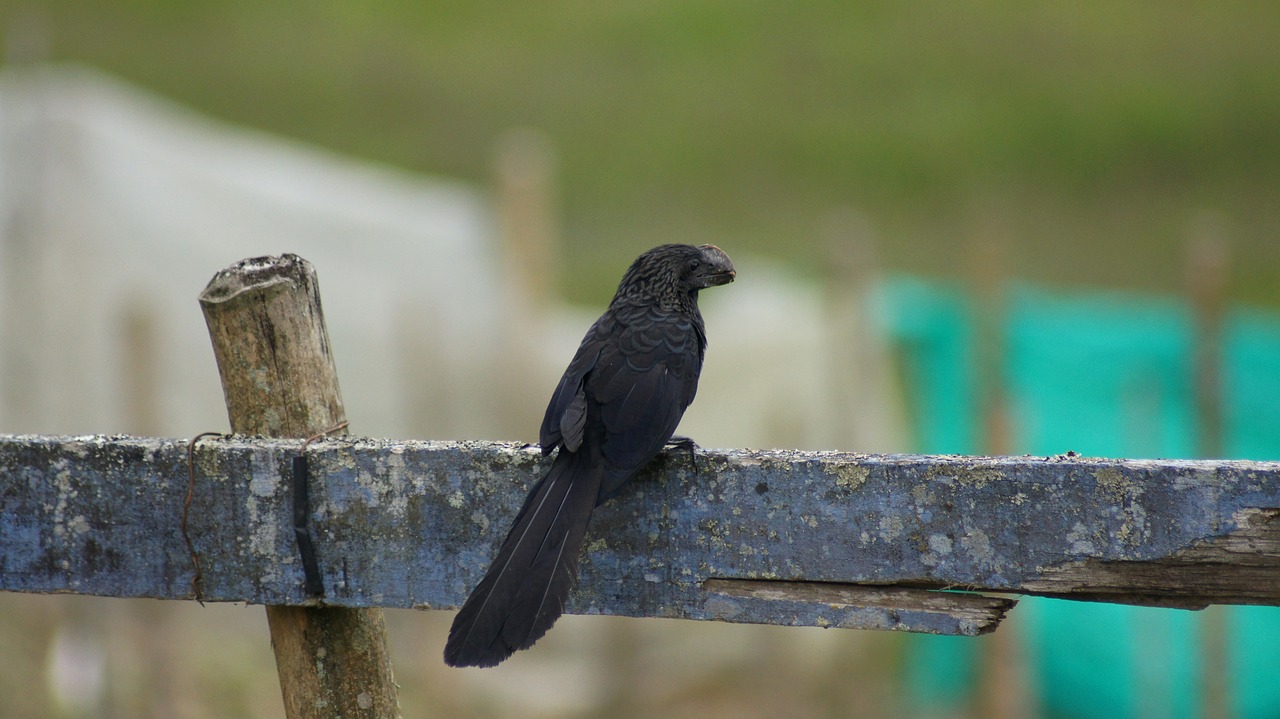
(694, 264)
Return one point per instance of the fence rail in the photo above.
(778, 537)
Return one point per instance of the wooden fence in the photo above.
(915, 543)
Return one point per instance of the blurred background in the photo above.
(975, 228)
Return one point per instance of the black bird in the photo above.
(615, 408)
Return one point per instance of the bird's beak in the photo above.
(722, 277)
(724, 272)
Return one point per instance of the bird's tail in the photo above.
(525, 589)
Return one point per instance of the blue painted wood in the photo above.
(414, 524)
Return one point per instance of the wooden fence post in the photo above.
(279, 380)
(1207, 260)
(1004, 690)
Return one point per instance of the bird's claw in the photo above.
(684, 444)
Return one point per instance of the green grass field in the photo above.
(1089, 135)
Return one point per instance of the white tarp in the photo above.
(118, 205)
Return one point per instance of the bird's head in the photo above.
(673, 274)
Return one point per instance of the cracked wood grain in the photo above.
(412, 524)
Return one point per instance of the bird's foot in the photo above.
(684, 444)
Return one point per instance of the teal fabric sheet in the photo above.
(1100, 374)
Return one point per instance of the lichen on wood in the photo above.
(414, 524)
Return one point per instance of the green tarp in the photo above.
(1101, 374)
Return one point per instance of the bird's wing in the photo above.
(642, 382)
(566, 413)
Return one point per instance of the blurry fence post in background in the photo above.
(22, 255)
(279, 380)
(1005, 690)
(1208, 259)
(862, 413)
(153, 625)
(529, 253)
(990, 258)
(524, 168)
(139, 380)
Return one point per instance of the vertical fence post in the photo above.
(1005, 690)
(524, 166)
(279, 380)
(1207, 260)
(862, 413)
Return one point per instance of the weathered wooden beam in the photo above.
(780, 537)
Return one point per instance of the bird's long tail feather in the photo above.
(525, 589)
